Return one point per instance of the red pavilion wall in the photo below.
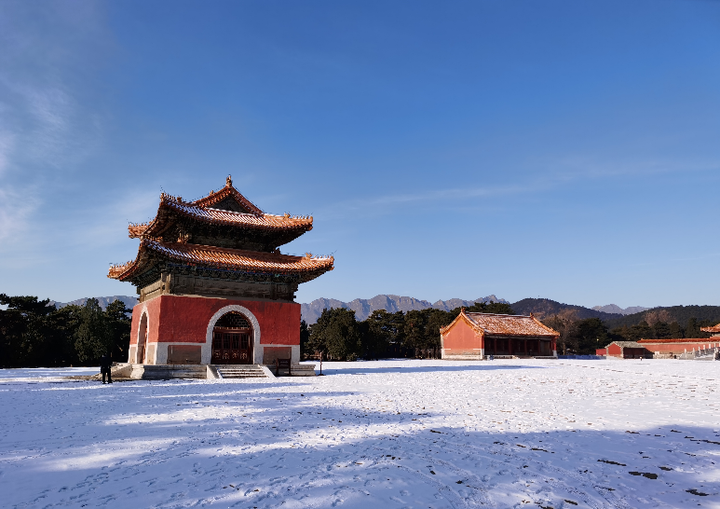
(173, 318)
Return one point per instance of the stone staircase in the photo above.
(241, 371)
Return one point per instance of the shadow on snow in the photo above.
(268, 444)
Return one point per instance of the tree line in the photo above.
(583, 337)
(707, 315)
(35, 333)
(337, 335)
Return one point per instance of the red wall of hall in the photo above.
(174, 318)
(614, 350)
(679, 347)
(461, 338)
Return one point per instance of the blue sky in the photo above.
(562, 149)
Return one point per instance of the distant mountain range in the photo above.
(617, 310)
(612, 315)
(546, 308)
(104, 301)
(391, 303)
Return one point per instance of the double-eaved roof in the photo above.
(215, 232)
(490, 324)
(238, 215)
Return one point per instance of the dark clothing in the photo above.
(106, 368)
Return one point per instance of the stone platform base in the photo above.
(197, 371)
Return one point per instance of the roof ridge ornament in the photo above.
(228, 181)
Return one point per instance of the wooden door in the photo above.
(232, 340)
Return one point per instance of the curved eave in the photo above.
(261, 222)
(306, 267)
(463, 317)
(519, 335)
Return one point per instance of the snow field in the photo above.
(396, 434)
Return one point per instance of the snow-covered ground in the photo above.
(506, 433)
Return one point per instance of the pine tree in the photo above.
(92, 337)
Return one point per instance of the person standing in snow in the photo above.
(105, 368)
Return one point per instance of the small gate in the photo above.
(232, 340)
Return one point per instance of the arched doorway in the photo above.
(232, 340)
(142, 339)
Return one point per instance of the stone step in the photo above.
(240, 371)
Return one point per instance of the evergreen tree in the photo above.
(589, 335)
(337, 334)
(693, 329)
(62, 325)
(676, 331)
(378, 334)
(23, 330)
(118, 322)
(436, 319)
(386, 334)
(92, 336)
(661, 330)
(639, 331)
(422, 331)
(304, 340)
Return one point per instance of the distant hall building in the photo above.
(213, 287)
(714, 330)
(626, 350)
(670, 348)
(475, 336)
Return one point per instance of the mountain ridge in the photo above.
(617, 310)
(546, 308)
(129, 301)
(391, 303)
(541, 308)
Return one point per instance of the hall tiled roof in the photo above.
(260, 221)
(627, 344)
(715, 329)
(504, 325)
(677, 340)
(222, 258)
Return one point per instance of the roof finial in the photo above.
(228, 181)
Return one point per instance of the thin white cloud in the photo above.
(15, 210)
(577, 167)
(7, 142)
(45, 129)
(442, 197)
(108, 225)
(546, 176)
